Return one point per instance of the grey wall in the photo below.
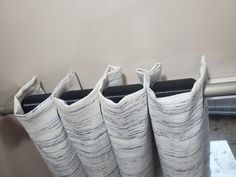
(48, 37)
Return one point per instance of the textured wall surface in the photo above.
(48, 37)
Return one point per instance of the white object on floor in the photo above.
(222, 161)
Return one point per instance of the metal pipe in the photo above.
(6, 109)
(220, 89)
(211, 90)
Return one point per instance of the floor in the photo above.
(224, 128)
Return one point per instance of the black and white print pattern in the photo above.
(96, 137)
(180, 125)
(48, 134)
(129, 128)
(85, 126)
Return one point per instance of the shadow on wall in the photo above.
(11, 131)
(18, 155)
